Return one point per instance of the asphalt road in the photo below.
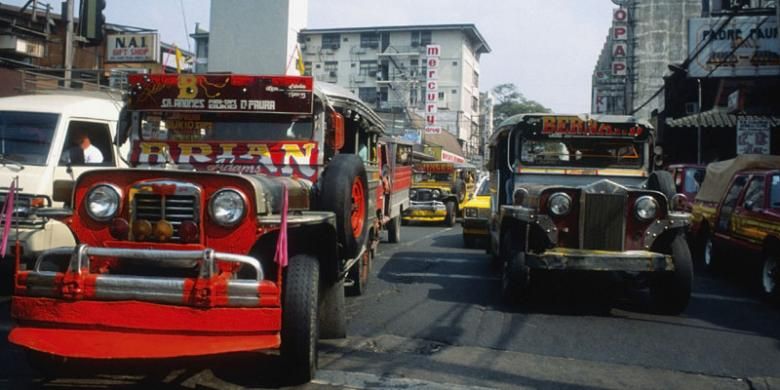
(432, 319)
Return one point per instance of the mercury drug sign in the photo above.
(137, 47)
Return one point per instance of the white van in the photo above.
(38, 145)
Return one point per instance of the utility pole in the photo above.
(698, 126)
(68, 42)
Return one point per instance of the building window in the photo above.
(369, 40)
(475, 104)
(413, 94)
(331, 41)
(307, 68)
(383, 94)
(421, 38)
(441, 96)
(368, 68)
(475, 79)
(331, 68)
(367, 95)
(454, 92)
(454, 63)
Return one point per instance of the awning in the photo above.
(717, 117)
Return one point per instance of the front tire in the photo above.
(515, 277)
(451, 214)
(300, 322)
(770, 275)
(670, 292)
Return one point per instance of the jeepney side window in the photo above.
(730, 202)
(774, 195)
(754, 195)
(403, 155)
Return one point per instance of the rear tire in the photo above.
(451, 214)
(333, 316)
(359, 275)
(300, 323)
(344, 190)
(671, 291)
(394, 230)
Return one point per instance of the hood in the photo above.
(268, 190)
(33, 180)
(479, 202)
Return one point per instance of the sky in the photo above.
(548, 48)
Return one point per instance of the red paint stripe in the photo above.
(97, 344)
(144, 316)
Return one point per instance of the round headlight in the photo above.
(103, 202)
(470, 212)
(646, 208)
(436, 193)
(559, 204)
(413, 194)
(227, 207)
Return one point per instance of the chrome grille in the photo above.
(604, 217)
(173, 208)
(21, 208)
(423, 196)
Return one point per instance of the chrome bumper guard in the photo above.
(433, 205)
(241, 293)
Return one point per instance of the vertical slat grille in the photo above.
(21, 206)
(173, 208)
(423, 196)
(604, 219)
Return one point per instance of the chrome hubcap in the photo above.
(769, 279)
(708, 252)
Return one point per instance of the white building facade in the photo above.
(386, 67)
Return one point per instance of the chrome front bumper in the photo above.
(594, 260)
(78, 283)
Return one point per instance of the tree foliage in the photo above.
(509, 101)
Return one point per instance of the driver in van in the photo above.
(83, 150)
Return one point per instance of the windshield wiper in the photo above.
(6, 161)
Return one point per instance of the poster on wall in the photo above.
(753, 136)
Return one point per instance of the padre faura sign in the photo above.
(132, 47)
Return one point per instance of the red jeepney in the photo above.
(254, 204)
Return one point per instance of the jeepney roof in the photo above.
(338, 96)
(719, 174)
(514, 120)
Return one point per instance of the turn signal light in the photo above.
(119, 228)
(38, 202)
(188, 231)
(142, 229)
(163, 230)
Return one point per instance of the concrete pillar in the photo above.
(255, 36)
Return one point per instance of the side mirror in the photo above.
(123, 127)
(335, 136)
(62, 190)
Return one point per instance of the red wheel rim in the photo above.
(358, 207)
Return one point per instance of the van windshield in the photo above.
(26, 137)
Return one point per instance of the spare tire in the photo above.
(662, 182)
(343, 189)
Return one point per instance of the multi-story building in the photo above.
(386, 67)
(645, 36)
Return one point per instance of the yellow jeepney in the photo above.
(439, 191)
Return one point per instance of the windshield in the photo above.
(26, 137)
(429, 176)
(484, 188)
(581, 152)
(224, 127)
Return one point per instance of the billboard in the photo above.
(432, 89)
(747, 47)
